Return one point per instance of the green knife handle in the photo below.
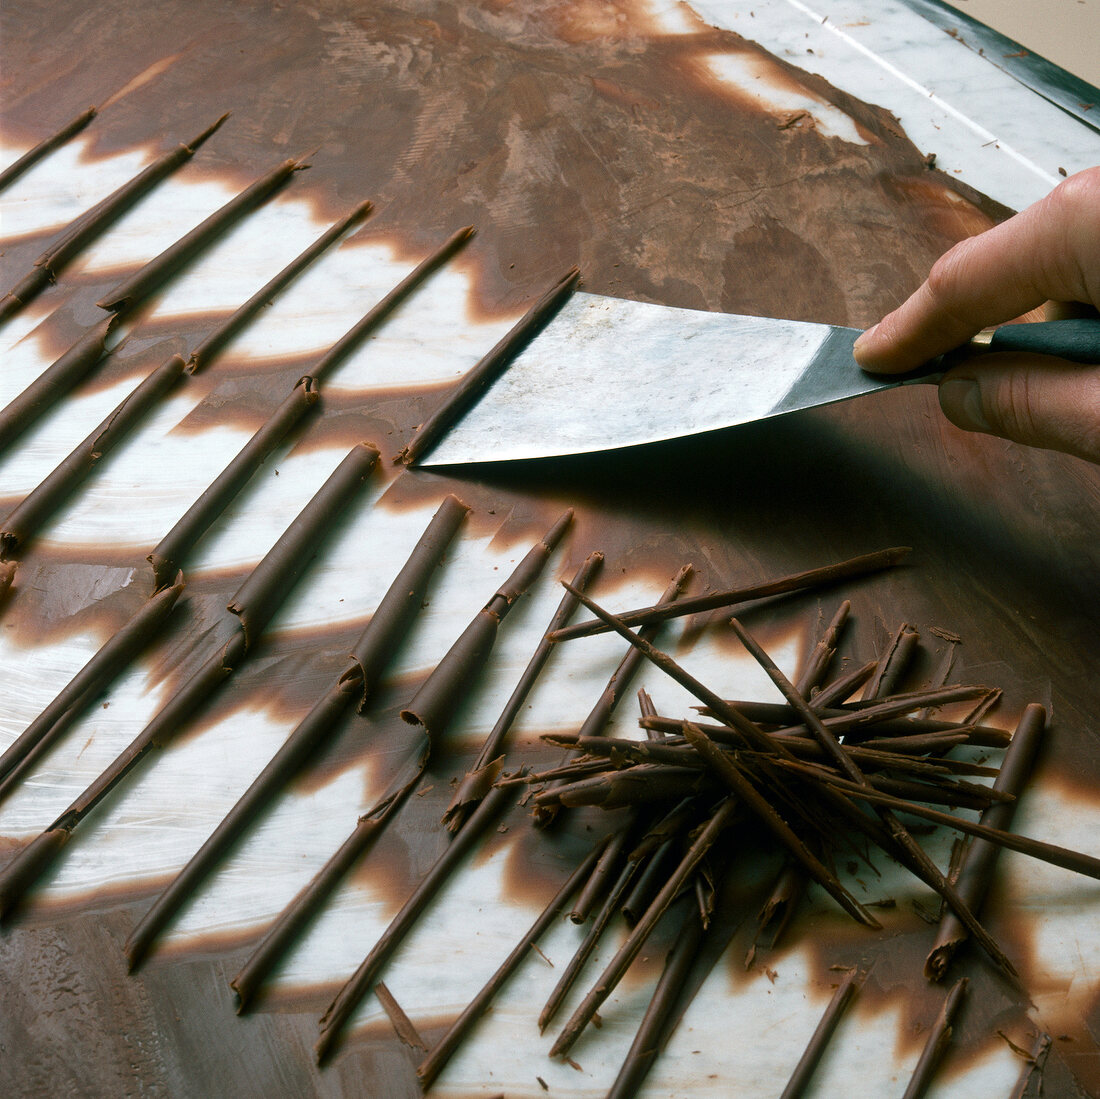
(1077, 340)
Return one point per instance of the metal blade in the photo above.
(608, 373)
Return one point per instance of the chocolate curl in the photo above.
(133, 291)
(656, 1022)
(918, 860)
(258, 598)
(432, 1065)
(608, 909)
(33, 155)
(39, 506)
(34, 859)
(727, 770)
(434, 703)
(626, 954)
(306, 739)
(476, 782)
(297, 915)
(799, 581)
(96, 221)
(90, 681)
(53, 383)
(939, 1037)
(386, 305)
(635, 786)
(172, 550)
(976, 872)
(402, 1024)
(405, 596)
(894, 663)
(653, 874)
(778, 909)
(817, 664)
(598, 880)
(843, 687)
(814, 1051)
(213, 344)
(361, 982)
(481, 376)
(600, 713)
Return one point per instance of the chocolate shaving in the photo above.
(480, 376)
(660, 1013)
(476, 782)
(939, 1037)
(90, 681)
(39, 506)
(94, 222)
(626, 954)
(402, 1024)
(386, 305)
(310, 733)
(212, 345)
(172, 550)
(804, 1070)
(138, 287)
(53, 383)
(799, 581)
(361, 982)
(258, 598)
(979, 864)
(429, 1069)
(33, 155)
(297, 915)
(434, 703)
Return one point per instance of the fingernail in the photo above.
(865, 338)
(961, 401)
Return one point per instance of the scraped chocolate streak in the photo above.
(569, 136)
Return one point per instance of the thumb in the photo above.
(1031, 399)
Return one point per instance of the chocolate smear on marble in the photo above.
(479, 377)
(402, 1024)
(92, 679)
(804, 1070)
(260, 596)
(257, 600)
(360, 983)
(980, 862)
(939, 1038)
(41, 503)
(475, 784)
(33, 155)
(378, 312)
(434, 704)
(661, 1012)
(172, 550)
(914, 854)
(212, 345)
(800, 581)
(429, 1069)
(133, 291)
(94, 222)
(53, 383)
(720, 818)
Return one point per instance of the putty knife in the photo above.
(607, 373)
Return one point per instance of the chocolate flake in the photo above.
(402, 1024)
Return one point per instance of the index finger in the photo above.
(1049, 251)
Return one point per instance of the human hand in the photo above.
(1049, 253)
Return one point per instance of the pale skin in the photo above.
(1049, 254)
